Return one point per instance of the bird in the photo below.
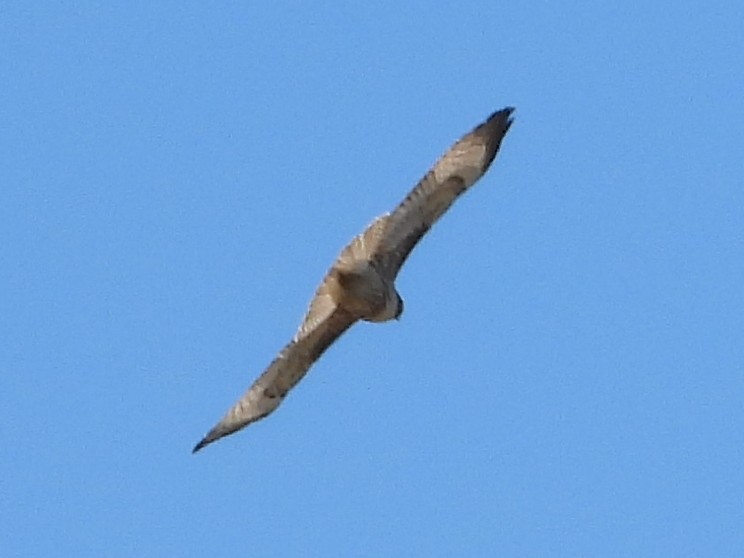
(360, 285)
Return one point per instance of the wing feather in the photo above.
(456, 171)
(287, 369)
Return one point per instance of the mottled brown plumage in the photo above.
(361, 283)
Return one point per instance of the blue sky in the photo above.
(568, 378)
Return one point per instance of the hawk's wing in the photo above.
(458, 169)
(322, 326)
(323, 323)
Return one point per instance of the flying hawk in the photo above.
(361, 283)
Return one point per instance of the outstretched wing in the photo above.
(323, 323)
(288, 368)
(456, 171)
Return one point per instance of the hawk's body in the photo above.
(361, 283)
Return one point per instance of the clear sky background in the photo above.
(568, 377)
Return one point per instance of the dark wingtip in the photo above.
(219, 431)
(208, 439)
(509, 111)
(504, 114)
(495, 128)
(498, 122)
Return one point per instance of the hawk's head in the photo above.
(399, 309)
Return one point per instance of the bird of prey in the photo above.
(361, 283)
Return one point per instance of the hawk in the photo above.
(361, 283)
